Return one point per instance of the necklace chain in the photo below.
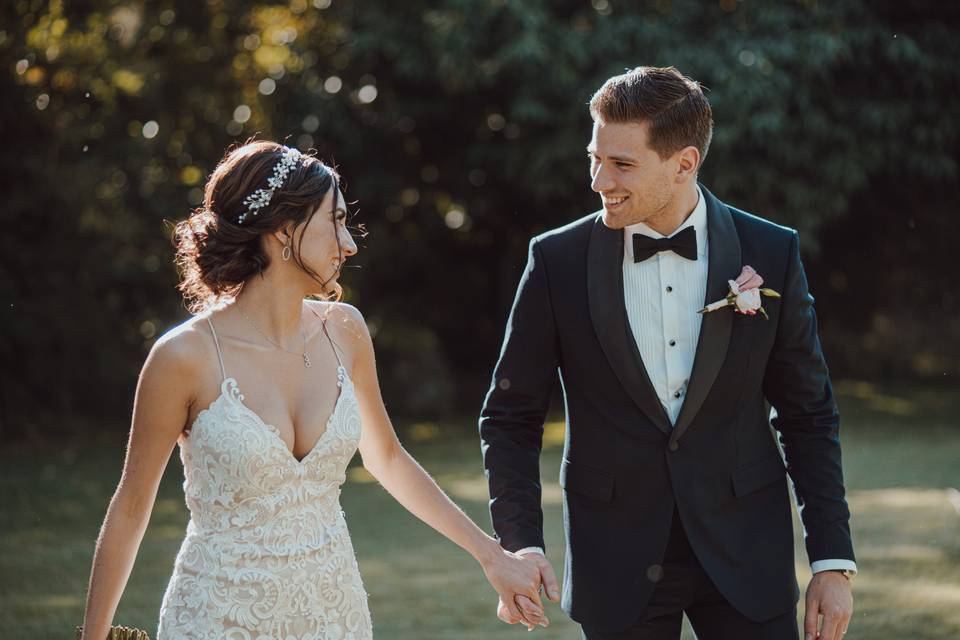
(306, 358)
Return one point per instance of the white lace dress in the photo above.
(267, 554)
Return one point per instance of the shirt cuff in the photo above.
(527, 550)
(833, 565)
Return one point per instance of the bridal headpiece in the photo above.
(261, 197)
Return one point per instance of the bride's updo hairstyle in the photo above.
(219, 246)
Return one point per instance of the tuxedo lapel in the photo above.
(724, 264)
(609, 316)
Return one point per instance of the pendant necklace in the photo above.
(306, 358)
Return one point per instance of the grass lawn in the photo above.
(902, 463)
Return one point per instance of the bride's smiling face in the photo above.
(324, 243)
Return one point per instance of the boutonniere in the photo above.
(745, 295)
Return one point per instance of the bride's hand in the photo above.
(516, 580)
(529, 611)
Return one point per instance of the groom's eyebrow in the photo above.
(593, 151)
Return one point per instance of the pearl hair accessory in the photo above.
(261, 197)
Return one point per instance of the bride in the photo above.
(269, 395)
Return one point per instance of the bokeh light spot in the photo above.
(455, 218)
(477, 177)
(602, 7)
(267, 86)
(367, 94)
(241, 114)
(333, 84)
(148, 329)
(305, 142)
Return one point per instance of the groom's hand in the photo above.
(525, 610)
(547, 577)
(517, 582)
(828, 595)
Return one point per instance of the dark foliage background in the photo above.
(459, 126)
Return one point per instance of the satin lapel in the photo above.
(724, 264)
(609, 316)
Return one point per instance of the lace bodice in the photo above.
(267, 553)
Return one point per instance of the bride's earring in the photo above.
(287, 252)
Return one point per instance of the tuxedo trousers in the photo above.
(686, 588)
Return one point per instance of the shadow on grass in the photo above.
(901, 453)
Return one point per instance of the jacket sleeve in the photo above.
(797, 385)
(511, 422)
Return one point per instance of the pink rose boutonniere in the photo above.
(745, 295)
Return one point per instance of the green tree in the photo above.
(459, 126)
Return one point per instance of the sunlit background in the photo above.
(459, 127)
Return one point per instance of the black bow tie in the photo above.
(684, 244)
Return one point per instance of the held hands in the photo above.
(527, 610)
(516, 581)
(828, 595)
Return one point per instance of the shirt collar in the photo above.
(697, 219)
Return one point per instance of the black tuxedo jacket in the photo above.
(625, 466)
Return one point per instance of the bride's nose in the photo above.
(347, 243)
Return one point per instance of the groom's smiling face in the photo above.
(634, 183)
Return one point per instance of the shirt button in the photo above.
(669, 288)
(673, 343)
(677, 394)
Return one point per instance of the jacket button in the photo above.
(673, 446)
(654, 573)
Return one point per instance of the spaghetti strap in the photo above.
(333, 345)
(216, 342)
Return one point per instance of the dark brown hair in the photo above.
(673, 105)
(215, 253)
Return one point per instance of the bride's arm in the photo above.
(396, 470)
(160, 408)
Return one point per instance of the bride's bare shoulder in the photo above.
(183, 348)
(342, 318)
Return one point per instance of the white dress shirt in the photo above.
(662, 295)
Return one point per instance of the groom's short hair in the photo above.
(673, 105)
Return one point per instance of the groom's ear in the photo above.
(688, 161)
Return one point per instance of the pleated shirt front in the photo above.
(662, 295)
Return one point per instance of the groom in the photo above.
(675, 497)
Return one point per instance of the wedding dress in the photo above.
(267, 554)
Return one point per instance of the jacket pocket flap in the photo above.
(591, 482)
(757, 475)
